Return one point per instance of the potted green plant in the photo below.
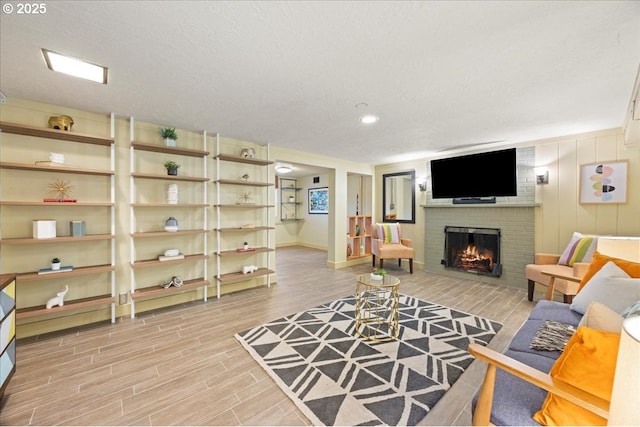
(55, 264)
(172, 167)
(169, 136)
(245, 246)
(378, 274)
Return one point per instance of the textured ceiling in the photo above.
(439, 74)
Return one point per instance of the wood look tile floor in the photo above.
(183, 366)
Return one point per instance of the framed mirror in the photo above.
(398, 197)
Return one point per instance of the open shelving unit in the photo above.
(143, 286)
(289, 200)
(227, 226)
(63, 211)
(359, 236)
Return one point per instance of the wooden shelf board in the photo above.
(239, 277)
(242, 182)
(57, 169)
(292, 220)
(235, 252)
(239, 159)
(57, 204)
(28, 130)
(167, 205)
(59, 239)
(77, 271)
(156, 262)
(159, 291)
(231, 229)
(157, 148)
(169, 177)
(69, 305)
(166, 233)
(245, 206)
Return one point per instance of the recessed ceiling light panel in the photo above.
(369, 119)
(75, 67)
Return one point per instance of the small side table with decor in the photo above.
(377, 304)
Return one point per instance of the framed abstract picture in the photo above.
(604, 182)
(319, 200)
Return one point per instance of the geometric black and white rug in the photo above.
(337, 378)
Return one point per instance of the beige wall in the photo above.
(561, 213)
(557, 217)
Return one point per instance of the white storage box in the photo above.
(44, 228)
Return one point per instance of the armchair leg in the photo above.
(411, 265)
(568, 299)
(530, 287)
(381, 260)
(373, 258)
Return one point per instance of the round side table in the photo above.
(377, 307)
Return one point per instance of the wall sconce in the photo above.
(542, 175)
(423, 185)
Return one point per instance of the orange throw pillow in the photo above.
(588, 363)
(599, 260)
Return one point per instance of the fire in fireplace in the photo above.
(473, 250)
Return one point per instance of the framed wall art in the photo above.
(604, 182)
(319, 200)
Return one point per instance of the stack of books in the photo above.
(62, 269)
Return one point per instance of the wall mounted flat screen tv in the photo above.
(491, 174)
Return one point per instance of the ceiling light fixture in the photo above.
(283, 167)
(75, 67)
(369, 119)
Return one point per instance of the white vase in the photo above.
(169, 142)
(376, 277)
(55, 266)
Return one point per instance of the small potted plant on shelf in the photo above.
(245, 246)
(169, 136)
(55, 264)
(172, 167)
(378, 274)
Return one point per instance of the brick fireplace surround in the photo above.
(516, 224)
(514, 216)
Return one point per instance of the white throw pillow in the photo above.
(610, 286)
(599, 316)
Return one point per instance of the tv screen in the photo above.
(491, 174)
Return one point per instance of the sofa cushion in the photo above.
(599, 260)
(611, 286)
(521, 341)
(601, 317)
(515, 400)
(555, 310)
(588, 363)
(580, 249)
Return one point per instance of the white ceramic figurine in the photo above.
(58, 299)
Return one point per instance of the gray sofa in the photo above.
(516, 401)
